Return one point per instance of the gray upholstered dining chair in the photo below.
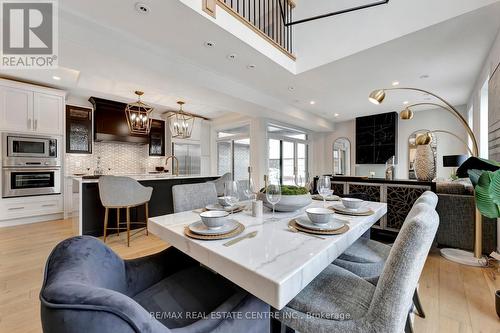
(219, 183)
(366, 258)
(340, 301)
(88, 288)
(123, 193)
(193, 196)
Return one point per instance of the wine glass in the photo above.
(249, 190)
(231, 194)
(324, 188)
(273, 196)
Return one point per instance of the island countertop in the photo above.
(140, 177)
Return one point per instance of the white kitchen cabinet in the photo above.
(48, 113)
(32, 109)
(15, 208)
(16, 109)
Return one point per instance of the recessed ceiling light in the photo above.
(142, 8)
(336, 115)
(395, 83)
(251, 66)
(57, 78)
(424, 76)
(291, 88)
(209, 44)
(232, 56)
(312, 102)
(405, 103)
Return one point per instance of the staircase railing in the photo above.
(267, 17)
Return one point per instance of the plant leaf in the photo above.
(494, 188)
(485, 203)
(474, 175)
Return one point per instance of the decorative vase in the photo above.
(425, 167)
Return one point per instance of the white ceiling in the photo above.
(107, 49)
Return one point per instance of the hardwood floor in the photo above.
(456, 298)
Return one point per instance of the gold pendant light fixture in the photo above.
(138, 116)
(181, 122)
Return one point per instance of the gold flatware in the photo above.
(236, 240)
(293, 229)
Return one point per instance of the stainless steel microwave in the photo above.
(40, 150)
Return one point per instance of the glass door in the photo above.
(288, 162)
(233, 156)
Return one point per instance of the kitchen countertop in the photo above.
(354, 179)
(139, 177)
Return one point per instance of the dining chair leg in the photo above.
(118, 221)
(106, 213)
(146, 206)
(408, 327)
(418, 304)
(128, 226)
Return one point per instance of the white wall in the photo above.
(489, 66)
(430, 119)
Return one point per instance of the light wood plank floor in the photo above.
(456, 298)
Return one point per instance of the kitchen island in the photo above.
(88, 212)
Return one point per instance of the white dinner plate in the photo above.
(334, 224)
(360, 211)
(235, 208)
(201, 229)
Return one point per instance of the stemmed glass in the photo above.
(249, 190)
(324, 188)
(273, 196)
(231, 194)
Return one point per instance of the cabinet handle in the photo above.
(48, 205)
(16, 208)
(36, 123)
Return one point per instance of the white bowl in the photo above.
(214, 219)
(352, 203)
(222, 201)
(319, 215)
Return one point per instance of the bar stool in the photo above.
(123, 192)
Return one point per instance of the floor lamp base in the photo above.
(463, 257)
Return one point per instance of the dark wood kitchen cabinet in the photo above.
(78, 130)
(157, 138)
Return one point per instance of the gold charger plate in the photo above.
(339, 231)
(231, 234)
(351, 213)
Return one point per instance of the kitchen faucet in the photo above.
(176, 164)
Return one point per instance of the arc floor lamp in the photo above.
(456, 255)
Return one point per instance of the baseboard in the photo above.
(33, 219)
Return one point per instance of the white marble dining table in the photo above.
(276, 264)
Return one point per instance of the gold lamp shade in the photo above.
(377, 96)
(138, 116)
(181, 123)
(423, 139)
(406, 114)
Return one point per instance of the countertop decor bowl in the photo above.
(290, 201)
(319, 215)
(214, 219)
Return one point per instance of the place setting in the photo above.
(318, 221)
(216, 220)
(351, 206)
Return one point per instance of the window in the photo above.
(233, 152)
(288, 155)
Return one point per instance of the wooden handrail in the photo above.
(264, 17)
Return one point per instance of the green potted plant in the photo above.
(292, 198)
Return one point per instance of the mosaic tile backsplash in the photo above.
(115, 158)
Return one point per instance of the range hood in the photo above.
(110, 123)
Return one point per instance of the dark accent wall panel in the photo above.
(376, 138)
